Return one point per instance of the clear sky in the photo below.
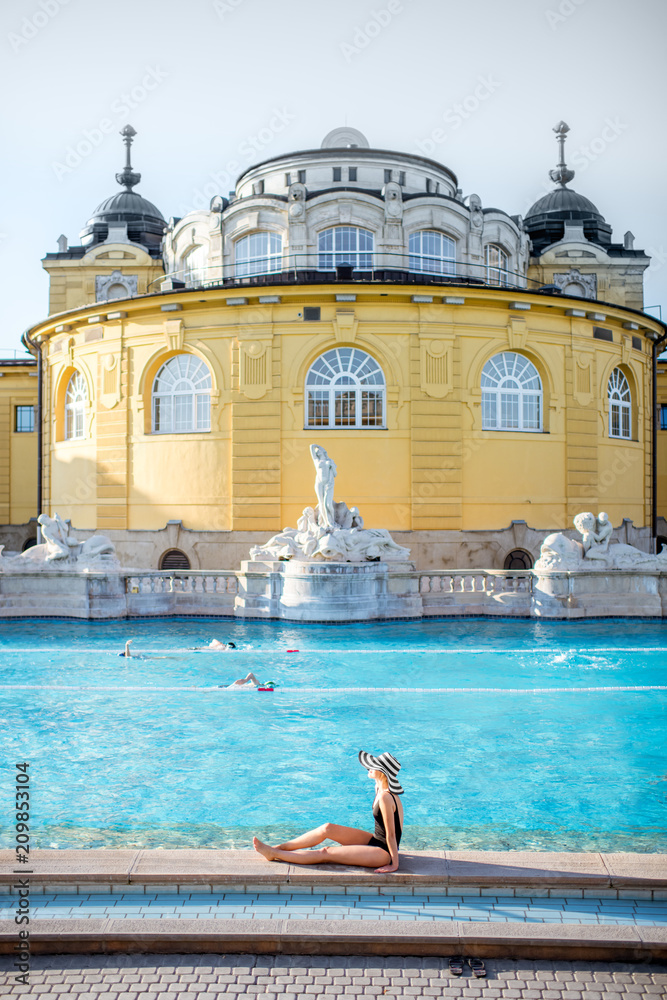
(213, 86)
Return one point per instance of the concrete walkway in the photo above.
(272, 977)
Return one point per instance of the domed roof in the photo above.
(563, 199)
(144, 223)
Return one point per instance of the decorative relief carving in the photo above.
(345, 325)
(583, 379)
(115, 286)
(435, 368)
(254, 368)
(174, 333)
(573, 282)
(517, 333)
(110, 382)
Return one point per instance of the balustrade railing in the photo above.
(182, 583)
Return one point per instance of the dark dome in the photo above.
(563, 199)
(145, 222)
(547, 218)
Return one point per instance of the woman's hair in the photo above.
(382, 776)
(232, 645)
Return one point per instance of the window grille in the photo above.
(620, 405)
(432, 253)
(511, 394)
(76, 401)
(518, 559)
(24, 419)
(259, 253)
(495, 259)
(174, 559)
(345, 245)
(345, 388)
(182, 396)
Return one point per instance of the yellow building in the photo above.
(18, 447)
(661, 434)
(353, 297)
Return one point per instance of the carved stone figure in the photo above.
(476, 214)
(61, 547)
(333, 531)
(393, 202)
(297, 202)
(594, 552)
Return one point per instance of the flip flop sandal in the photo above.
(456, 966)
(477, 967)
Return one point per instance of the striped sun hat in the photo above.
(386, 763)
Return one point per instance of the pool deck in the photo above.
(472, 873)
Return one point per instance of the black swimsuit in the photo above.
(379, 838)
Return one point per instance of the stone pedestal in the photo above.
(58, 593)
(327, 591)
(598, 594)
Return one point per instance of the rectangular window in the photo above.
(615, 420)
(345, 409)
(258, 187)
(429, 185)
(302, 176)
(337, 173)
(387, 176)
(288, 180)
(663, 417)
(509, 410)
(531, 413)
(352, 173)
(600, 333)
(401, 178)
(311, 313)
(318, 408)
(625, 422)
(24, 419)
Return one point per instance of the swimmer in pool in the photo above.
(221, 647)
(126, 651)
(242, 681)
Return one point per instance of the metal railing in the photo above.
(397, 268)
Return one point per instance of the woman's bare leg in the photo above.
(328, 831)
(350, 854)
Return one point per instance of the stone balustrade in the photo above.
(476, 592)
(181, 592)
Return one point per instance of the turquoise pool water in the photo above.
(512, 735)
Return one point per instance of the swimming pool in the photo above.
(512, 734)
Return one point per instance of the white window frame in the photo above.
(76, 403)
(495, 261)
(194, 265)
(345, 388)
(512, 395)
(258, 253)
(345, 248)
(187, 401)
(620, 406)
(428, 260)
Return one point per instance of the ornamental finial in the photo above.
(561, 175)
(127, 176)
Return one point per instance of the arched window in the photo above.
(432, 252)
(259, 253)
(182, 396)
(518, 559)
(511, 394)
(345, 245)
(345, 388)
(620, 405)
(495, 259)
(194, 266)
(76, 401)
(174, 559)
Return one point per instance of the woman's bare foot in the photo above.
(263, 849)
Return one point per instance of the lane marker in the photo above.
(334, 690)
(262, 650)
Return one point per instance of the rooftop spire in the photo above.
(127, 176)
(561, 175)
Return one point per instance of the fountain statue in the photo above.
(61, 550)
(328, 568)
(332, 531)
(595, 550)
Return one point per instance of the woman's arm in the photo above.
(387, 807)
